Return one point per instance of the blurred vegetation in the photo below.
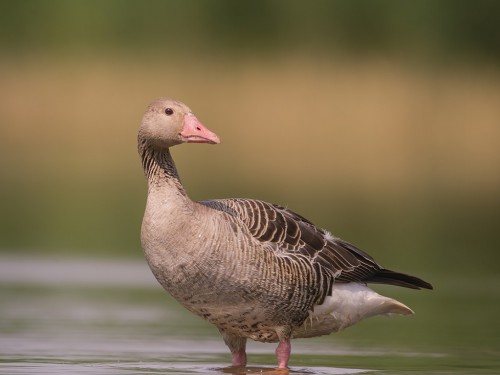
(454, 28)
(377, 120)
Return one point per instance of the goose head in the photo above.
(168, 123)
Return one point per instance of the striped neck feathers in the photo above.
(159, 167)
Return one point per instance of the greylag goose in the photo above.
(253, 269)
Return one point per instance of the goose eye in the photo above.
(169, 111)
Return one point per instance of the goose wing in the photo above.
(289, 233)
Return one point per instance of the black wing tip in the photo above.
(389, 277)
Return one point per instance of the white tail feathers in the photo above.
(391, 306)
(348, 304)
(352, 302)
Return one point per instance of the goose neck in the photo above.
(159, 168)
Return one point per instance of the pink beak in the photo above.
(194, 131)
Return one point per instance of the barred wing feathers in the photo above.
(289, 233)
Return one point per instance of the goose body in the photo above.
(253, 269)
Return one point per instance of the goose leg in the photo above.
(239, 358)
(283, 353)
(237, 346)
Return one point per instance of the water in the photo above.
(110, 317)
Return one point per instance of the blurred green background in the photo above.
(379, 121)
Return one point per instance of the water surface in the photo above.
(110, 317)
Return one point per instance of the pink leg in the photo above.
(239, 358)
(236, 345)
(283, 353)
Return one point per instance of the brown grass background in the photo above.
(400, 159)
(378, 121)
